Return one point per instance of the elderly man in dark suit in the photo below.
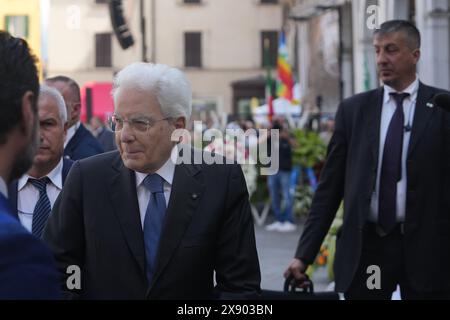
(27, 270)
(141, 225)
(80, 143)
(389, 160)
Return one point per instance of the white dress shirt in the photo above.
(166, 172)
(3, 188)
(71, 132)
(28, 195)
(389, 106)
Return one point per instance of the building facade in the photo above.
(216, 42)
(353, 53)
(23, 19)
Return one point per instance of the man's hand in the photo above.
(298, 269)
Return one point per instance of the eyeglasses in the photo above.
(137, 125)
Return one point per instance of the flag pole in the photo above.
(269, 97)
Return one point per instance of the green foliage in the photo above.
(310, 150)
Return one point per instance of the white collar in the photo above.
(412, 90)
(167, 171)
(55, 177)
(3, 187)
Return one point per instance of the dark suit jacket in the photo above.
(107, 139)
(13, 192)
(82, 145)
(27, 269)
(350, 174)
(208, 227)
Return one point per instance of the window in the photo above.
(103, 54)
(193, 49)
(269, 48)
(192, 1)
(101, 1)
(17, 26)
(269, 1)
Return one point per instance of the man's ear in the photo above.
(76, 110)
(180, 123)
(28, 113)
(66, 126)
(417, 54)
(77, 106)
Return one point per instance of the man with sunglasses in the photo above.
(138, 223)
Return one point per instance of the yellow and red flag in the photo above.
(285, 83)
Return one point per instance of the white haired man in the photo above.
(33, 195)
(139, 225)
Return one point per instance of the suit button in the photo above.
(194, 196)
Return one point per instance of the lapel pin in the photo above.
(430, 105)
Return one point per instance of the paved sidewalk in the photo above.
(276, 251)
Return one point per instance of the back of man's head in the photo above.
(18, 74)
(70, 90)
(72, 85)
(410, 31)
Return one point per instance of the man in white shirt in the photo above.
(389, 161)
(34, 194)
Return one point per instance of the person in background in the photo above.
(33, 195)
(80, 143)
(280, 184)
(103, 134)
(327, 130)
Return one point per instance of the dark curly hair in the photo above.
(18, 74)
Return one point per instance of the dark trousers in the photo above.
(387, 253)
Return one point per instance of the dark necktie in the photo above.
(43, 207)
(153, 221)
(391, 169)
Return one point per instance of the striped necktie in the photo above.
(43, 207)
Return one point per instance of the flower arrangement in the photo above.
(303, 200)
(322, 257)
(232, 149)
(325, 258)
